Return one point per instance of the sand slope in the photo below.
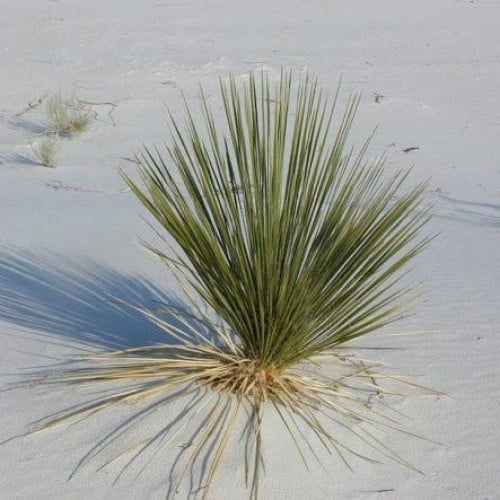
(429, 74)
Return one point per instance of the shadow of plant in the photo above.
(100, 309)
(18, 159)
(470, 212)
(35, 127)
(81, 301)
(27, 125)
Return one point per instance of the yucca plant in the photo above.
(290, 244)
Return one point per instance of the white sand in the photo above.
(437, 65)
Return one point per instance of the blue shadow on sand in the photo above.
(470, 212)
(18, 159)
(81, 301)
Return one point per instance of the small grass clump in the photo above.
(66, 116)
(296, 242)
(46, 151)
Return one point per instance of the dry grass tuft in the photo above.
(67, 115)
(46, 151)
(335, 394)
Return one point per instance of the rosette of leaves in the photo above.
(295, 243)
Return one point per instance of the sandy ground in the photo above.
(429, 72)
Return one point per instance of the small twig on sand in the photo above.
(32, 105)
(411, 148)
(112, 105)
(56, 185)
(131, 160)
(386, 490)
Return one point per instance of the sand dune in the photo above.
(429, 72)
